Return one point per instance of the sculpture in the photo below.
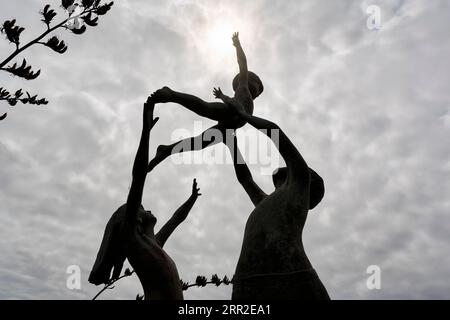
(273, 263)
(130, 233)
(247, 87)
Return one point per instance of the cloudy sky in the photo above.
(368, 109)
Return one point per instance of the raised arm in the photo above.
(242, 61)
(134, 199)
(298, 171)
(178, 217)
(244, 175)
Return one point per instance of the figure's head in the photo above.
(112, 252)
(317, 187)
(146, 221)
(255, 84)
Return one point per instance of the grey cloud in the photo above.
(367, 109)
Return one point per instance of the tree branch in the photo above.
(43, 35)
(109, 285)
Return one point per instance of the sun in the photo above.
(219, 38)
(215, 44)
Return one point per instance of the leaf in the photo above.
(13, 100)
(128, 272)
(42, 101)
(88, 3)
(12, 31)
(33, 100)
(56, 45)
(104, 8)
(201, 281)
(216, 280)
(48, 15)
(23, 71)
(3, 116)
(184, 285)
(67, 3)
(18, 93)
(139, 297)
(3, 93)
(80, 30)
(89, 21)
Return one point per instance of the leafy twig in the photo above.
(202, 281)
(18, 96)
(109, 286)
(13, 32)
(90, 10)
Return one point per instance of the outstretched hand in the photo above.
(235, 39)
(195, 191)
(218, 93)
(149, 107)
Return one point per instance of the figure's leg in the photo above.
(209, 137)
(217, 111)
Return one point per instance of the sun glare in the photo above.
(219, 39)
(215, 43)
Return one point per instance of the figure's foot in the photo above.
(162, 95)
(162, 152)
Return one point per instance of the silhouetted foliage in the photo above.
(56, 45)
(12, 31)
(13, 99)
(48, 15)
(139, 297)
(200, 281)
(80, 14)
(90, 21)
(109, 285)
(24, 71)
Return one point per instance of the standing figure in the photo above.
(247, 87)
(273, 263)
(130, 233)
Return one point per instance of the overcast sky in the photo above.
(368, 110)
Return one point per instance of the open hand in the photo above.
(235, 39)
(195, 191)
(149, 107)
(218, 93)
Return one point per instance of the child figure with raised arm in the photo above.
(247, 87)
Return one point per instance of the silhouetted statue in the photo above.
(130, 233)
(273, 263)
(247, 87)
